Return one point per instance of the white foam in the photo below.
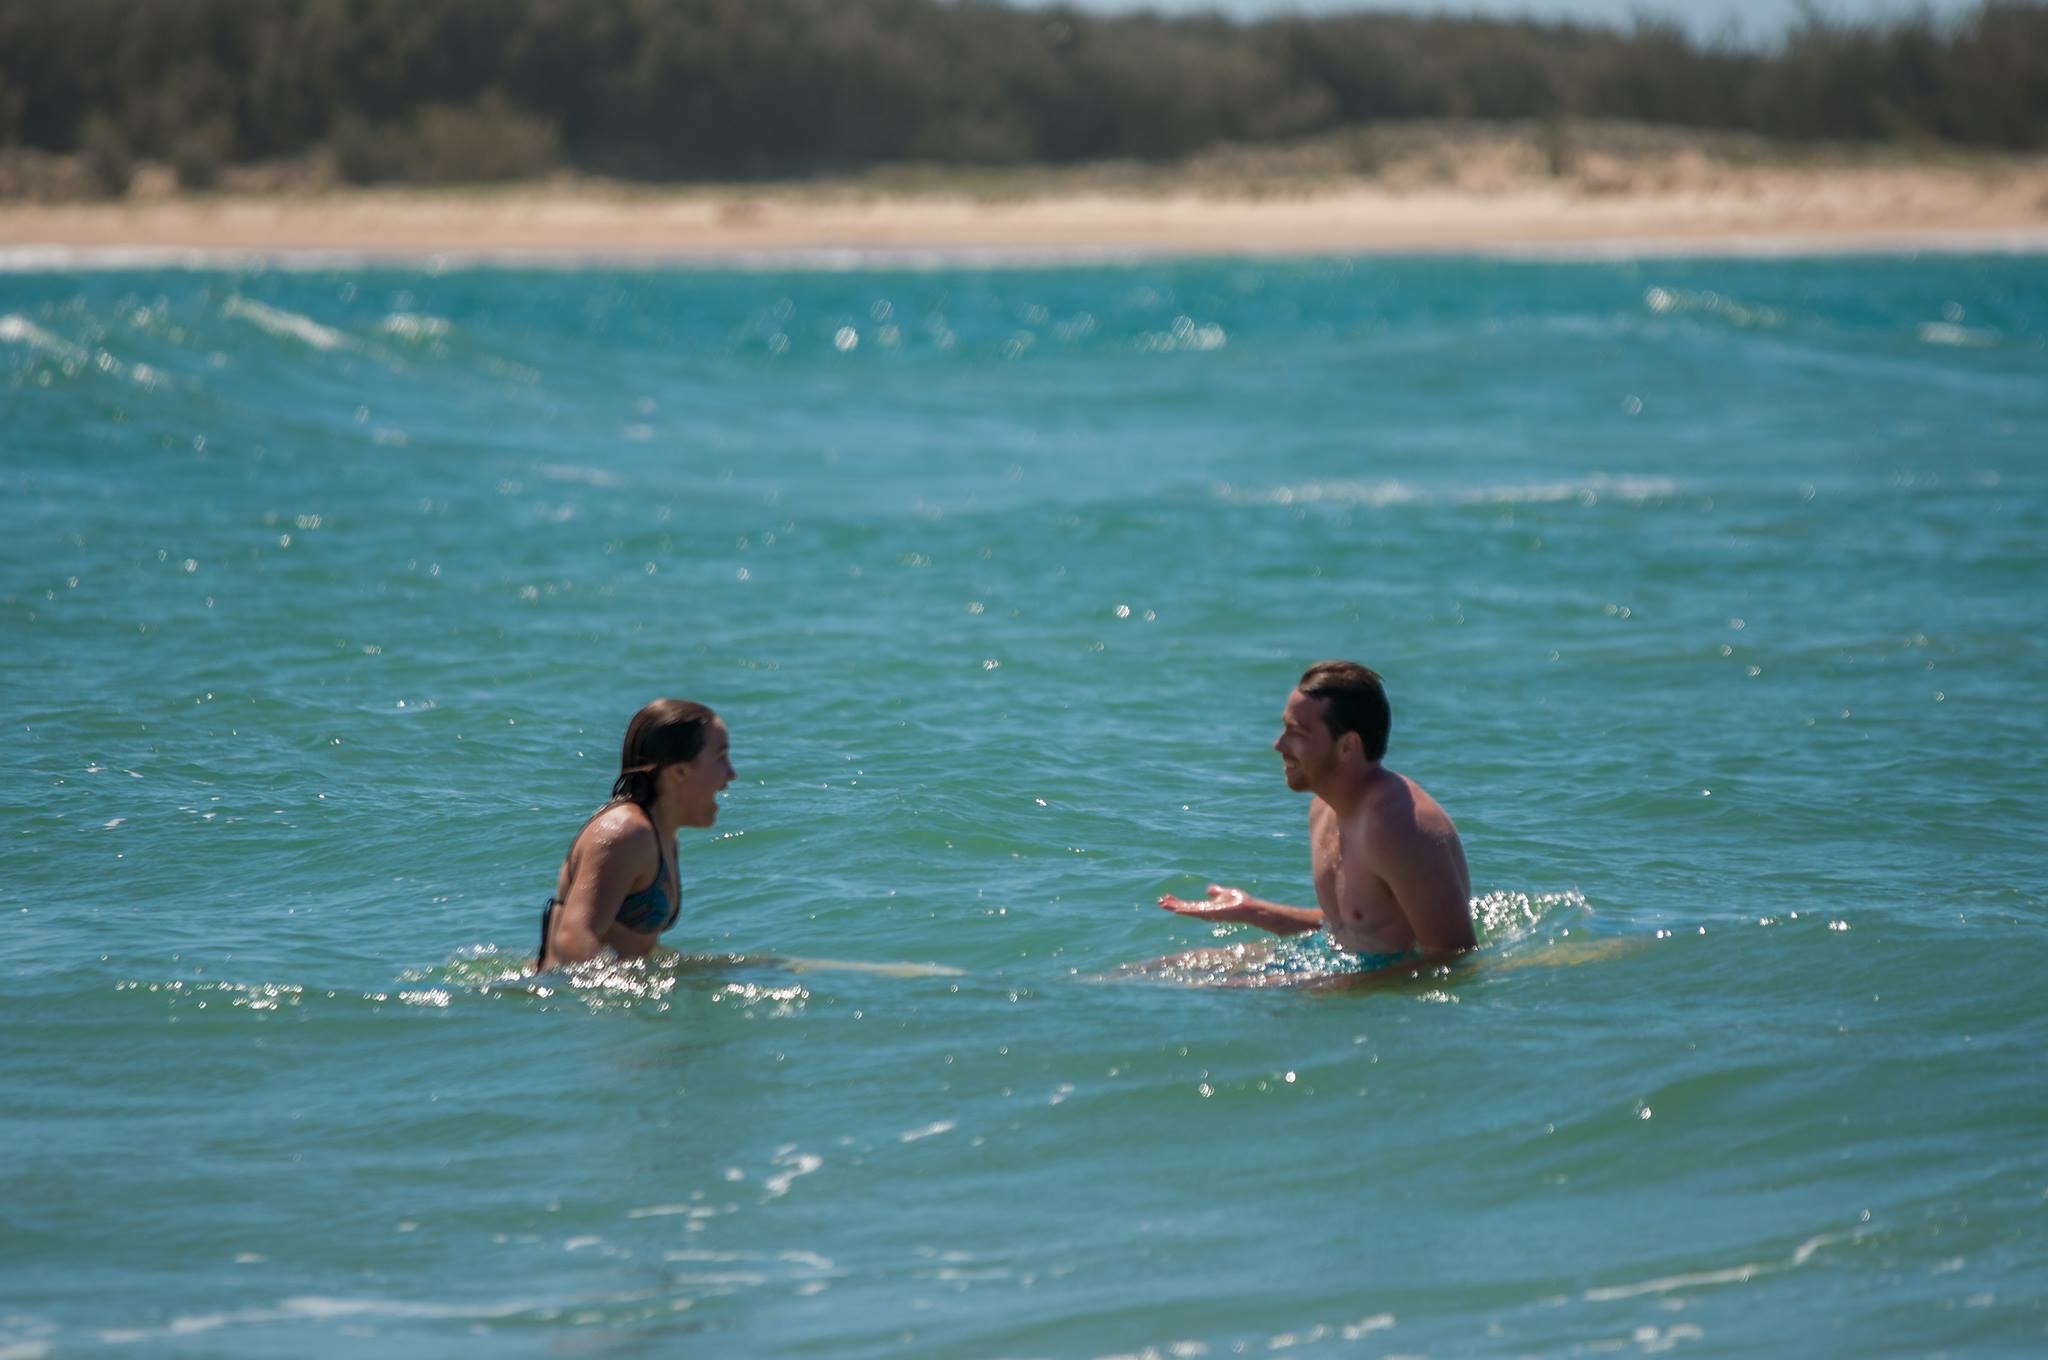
(1381, 494)
(1732, 1275)
(288, 324)
(890, 970)
(1655, 1342)
(317, 1308)
(1586, 489)
(1665, 301)
(928, 1131)
(809, 1259)
(1375, 494)
(414, 326)
(1287, 1341)
(1814, 1244)
(1365, 1327)
(1961, 337)
(794, 1165)
(320, 1307)
(19, 330)
(569, 472)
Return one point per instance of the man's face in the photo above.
(1308, 754)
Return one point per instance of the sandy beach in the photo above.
(1417, 191)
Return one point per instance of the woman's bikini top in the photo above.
(648, 911)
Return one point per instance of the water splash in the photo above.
(1506, 923)
(1504, 919)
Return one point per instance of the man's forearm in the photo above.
(1281, 920)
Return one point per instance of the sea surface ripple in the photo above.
(1709, 594)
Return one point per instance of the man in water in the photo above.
(1389, 872)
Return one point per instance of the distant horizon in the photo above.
(1747, 21)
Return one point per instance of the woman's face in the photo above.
(692, 786)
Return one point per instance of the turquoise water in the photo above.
(1709, 594)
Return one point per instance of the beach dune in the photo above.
(1416, 190)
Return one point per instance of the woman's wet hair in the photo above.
(665, 732)
(1354, 700)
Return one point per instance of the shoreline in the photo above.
(1463, 195)
(119, 259)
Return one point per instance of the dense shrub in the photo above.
(482, 89)
(109, 163)
(201, 151)
(364, 154)
(487, 140)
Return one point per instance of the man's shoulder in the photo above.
(1428, 815)
(1399, 801)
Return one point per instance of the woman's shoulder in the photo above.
(618, 827)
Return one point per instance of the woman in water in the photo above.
(619, 887)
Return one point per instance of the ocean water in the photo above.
(1710, 597)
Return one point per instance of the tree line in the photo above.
(445, 90)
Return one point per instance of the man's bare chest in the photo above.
(1356, 902)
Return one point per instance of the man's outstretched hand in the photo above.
(1233, 906)
(1222, 904)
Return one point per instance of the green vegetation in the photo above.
(452, 90)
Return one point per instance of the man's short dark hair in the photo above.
(1354, 701)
